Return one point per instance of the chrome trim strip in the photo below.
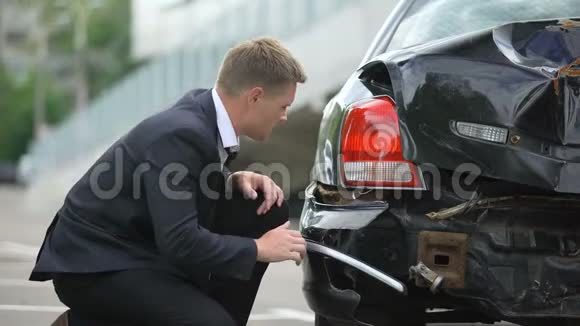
(353, 207)
(388, 280)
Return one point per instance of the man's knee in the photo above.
(277, 216)
(238, 216)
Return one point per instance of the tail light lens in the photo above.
(371, 148)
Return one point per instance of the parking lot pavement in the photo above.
(31, 303)
(24, 303)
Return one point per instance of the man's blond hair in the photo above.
(262, 62)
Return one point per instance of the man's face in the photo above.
(267, 109)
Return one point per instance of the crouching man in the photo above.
(147, 237)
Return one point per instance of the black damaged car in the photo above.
(446, 183)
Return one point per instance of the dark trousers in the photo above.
(148, 297)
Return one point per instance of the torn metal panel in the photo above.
(521, 76)
(505, 201)
(571, 70)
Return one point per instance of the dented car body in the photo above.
(447, 175)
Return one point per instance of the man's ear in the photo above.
(255, 94)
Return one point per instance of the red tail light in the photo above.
(371, 148)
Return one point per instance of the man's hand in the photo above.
(249, 183)
(281, 244)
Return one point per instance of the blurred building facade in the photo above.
(160, 27)
(185, 42)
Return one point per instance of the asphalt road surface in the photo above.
(24, 303)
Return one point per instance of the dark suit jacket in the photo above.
(131, 209)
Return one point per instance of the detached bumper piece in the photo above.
(373, 272)
(322, 297)
(326, 299)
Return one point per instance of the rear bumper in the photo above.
(360, 256)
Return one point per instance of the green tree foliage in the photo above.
(109, 40)
(16, 114)
(15, 119)
(106, 56)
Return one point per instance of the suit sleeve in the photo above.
(171, 189)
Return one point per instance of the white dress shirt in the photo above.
(227, 135)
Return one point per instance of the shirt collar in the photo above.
(225, 127)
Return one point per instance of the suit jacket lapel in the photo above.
(216, 181)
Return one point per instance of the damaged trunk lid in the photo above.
(521, 81)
